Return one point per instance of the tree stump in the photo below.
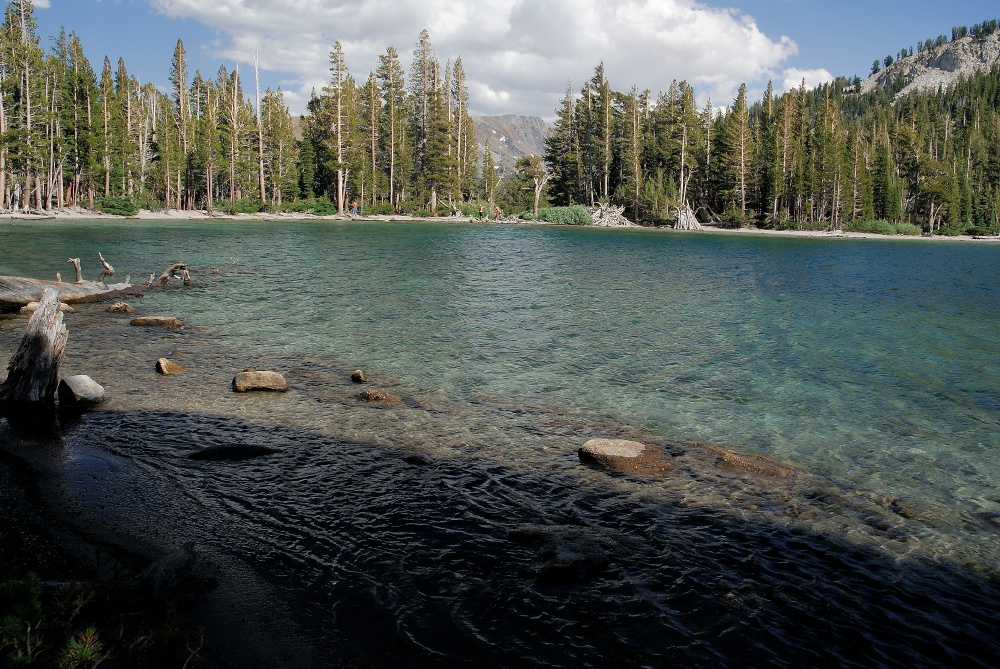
(33, 373)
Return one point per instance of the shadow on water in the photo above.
(396, 558)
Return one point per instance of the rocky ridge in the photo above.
(939, 66)
(511, 137)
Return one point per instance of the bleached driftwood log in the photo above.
(686, 220)
(16, 291)
(608, 216)
(33, 373)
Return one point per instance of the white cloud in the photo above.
(793, 77)
(42, 4)
(517, 54)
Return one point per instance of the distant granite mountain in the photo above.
(939, 66)
(511, 137)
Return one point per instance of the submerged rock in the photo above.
(358, 376)
(250, 379)
(32, 307)
(752, 463)
(120, 308)
(567, 553)
(166, 367)
(80, 389)
(163, 321)
(376, 395)
(624, 456)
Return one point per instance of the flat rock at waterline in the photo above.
(32, 307)
(166, 367)
(624, 456)
(120, 308)
(163, 321)
(250, 379)
(80, 389)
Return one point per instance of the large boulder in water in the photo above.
(167, 367)
(625, 456)
(80, 389)
(250, 379)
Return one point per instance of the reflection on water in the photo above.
(457, 526)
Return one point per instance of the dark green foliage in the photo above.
(80, 625)
(122, 205)
(880, 227)
(572, 215)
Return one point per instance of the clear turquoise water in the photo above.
(871, 364)
(872, 361)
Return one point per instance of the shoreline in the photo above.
(73, 214)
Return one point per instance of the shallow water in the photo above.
(458, 525)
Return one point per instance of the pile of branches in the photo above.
(686, 220)
(608, 216)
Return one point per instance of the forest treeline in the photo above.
(830, 157)
(403, 141)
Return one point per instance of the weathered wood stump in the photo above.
(33, 373)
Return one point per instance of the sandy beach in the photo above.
(78, 213)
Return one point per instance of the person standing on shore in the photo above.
(497, 212)
(482, 212)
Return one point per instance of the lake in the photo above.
(457, 526)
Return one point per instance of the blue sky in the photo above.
(519, 55)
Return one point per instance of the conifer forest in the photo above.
(401, 139)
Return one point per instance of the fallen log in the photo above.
(16, 291)
(33, 373)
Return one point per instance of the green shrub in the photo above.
(245, 206)
(574, 215)
(422, 213)
(322, 206)
(872, 227)
(380, 209)
(908, 229)
(122, 205)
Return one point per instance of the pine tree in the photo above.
(394, 122)
(739, 152)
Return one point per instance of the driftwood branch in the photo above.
(76, 265)
(108, 269)
(176, 271)
(33, 373)
(607, 215)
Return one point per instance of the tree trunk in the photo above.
(33, 373)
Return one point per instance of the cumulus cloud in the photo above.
(518, 55)
(794, 76)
